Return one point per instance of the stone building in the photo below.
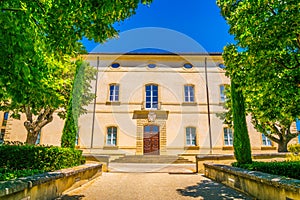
(151, 103)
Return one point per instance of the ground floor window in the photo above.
(111, 138)
(190, 135)
(228, 137)
(38, 139)
(266, 141)
(2, 133)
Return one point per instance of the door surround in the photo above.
(141, 123)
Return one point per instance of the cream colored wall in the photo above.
(170, 76)
(50, 134)
(132, 76)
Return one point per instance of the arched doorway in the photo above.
(151, 140)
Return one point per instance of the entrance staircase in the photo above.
(152, 159)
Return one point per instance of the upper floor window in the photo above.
(222, 93)
(115, 65)
(189, 93)
(266, 141)
(113, 92)
(188, 65)
(190, 135)
(5, 118)
(111, 137)
(151, 96)
(228, 137)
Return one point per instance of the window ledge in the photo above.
(191, 148)
(113, 103)
(268, 148)
(227, 148)
(110, 148)
(189, 104)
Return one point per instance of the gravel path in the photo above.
(140, 186)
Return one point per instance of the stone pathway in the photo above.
(118, 185)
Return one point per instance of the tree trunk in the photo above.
(33, 127)
(282, 146)
(32, 137)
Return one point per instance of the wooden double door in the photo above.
(151, 140)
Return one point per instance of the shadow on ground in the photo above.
(211, 190)
(70, 197)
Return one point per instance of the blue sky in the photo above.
(177, 25)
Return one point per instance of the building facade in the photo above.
(152, 104)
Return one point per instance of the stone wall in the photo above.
(257, 184)
(49, 185)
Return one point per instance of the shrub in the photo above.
(46, 158)
(295, 152)
(8, 174)
(289, 169)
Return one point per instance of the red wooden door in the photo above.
(151, 140)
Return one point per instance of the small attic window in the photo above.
(188, 65)
(151, 65)
(115, 65)
(222, 66)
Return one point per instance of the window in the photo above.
(266, 141)
(188, 65)
(2, 133)
(228, 137)
(115, 65)
(151, 96)
(111, 138)
(5, 118)
(77, 139)
(38, 139)
(113, 92)
(222, 93)
(152, 65)
(190, 135)
(189, 93)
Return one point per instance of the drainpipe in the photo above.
(208, 108)
(95, 101)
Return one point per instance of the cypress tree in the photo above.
(241, 141)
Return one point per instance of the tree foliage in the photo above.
(81, 96)
(265, 62)
(241, 141)
(37, 40)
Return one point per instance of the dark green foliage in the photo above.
(241, 142)
(45, 158)
(288, 169)
(70, 130)
(8, 174)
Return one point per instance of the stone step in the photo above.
(151, 159)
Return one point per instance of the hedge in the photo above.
(286, 168)
(45, 158)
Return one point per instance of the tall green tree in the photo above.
(266, 61)
(80, 97)
(241, 141)
(37, 40)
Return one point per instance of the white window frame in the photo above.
(111, 136)
(190, 136)
(153, 106)
(38, 139)
(189, 93)
(114, 93)
(222, 93)
(265, 141)
(228, 136)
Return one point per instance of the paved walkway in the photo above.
(118, 185)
